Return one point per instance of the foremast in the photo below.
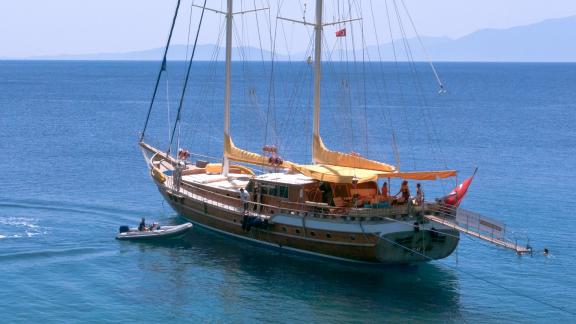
(317, 71)
(227, 89)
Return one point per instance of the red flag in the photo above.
(341, 33)
(455, 196)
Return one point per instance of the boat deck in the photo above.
(232, 182)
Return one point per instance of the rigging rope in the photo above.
(438, 80)
(162, 68)
(187, 78)
(397, 72)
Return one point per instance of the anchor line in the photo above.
(514, 292)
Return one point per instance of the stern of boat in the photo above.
(419, 245)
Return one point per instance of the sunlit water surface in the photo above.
(72, 173)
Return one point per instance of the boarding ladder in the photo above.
(475, 225)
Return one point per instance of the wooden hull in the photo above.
(399, 244)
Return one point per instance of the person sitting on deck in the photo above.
(404, 193)
(245, 197)
(384, 193)
(142, 226)
(419, 195)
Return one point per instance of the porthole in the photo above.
(328, 235)
(312, 234)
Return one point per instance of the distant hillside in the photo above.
(176, 52)
(547, 41)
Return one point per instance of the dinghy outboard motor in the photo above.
(124, 229)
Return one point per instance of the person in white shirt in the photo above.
(245, 197)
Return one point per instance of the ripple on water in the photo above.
(18, 227)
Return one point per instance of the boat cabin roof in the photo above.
(285, 178)
(233, 182)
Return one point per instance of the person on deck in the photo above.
(419, 195)
(142, 226)
(245, 197)
(404, 194)
(384, 192)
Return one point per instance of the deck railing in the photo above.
(304, 210)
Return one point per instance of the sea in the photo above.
(72, 173)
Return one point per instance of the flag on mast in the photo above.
(341, 33)
(455, 196)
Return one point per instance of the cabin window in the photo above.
(284, 229)
(277, 191)
(264, 190)
(282, 191)
(312, 234)
(328, 235)
(352, 238)
(297, 231)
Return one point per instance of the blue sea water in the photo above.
(72, 173)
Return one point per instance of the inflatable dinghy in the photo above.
(127, 233)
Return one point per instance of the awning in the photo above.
(341, 174)
(337, 174)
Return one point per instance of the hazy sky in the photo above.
(41, 27)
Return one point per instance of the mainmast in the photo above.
(317, 70)
(226, 162)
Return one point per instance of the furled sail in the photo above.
(341, 174)
(322, 155)
(239, 155)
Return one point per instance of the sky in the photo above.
(72, 27)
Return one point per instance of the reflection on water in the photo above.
(279, 280)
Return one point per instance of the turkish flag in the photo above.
(455, 196)
(341, 33)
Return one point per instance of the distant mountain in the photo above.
(547, 41)
(176, 52)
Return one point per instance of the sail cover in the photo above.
(239, 155)
(322, 155)
(341, 174)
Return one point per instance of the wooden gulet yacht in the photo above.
(331, 208)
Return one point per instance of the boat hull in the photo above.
(416, 246)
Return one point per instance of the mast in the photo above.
(317, 71)
(226, 162)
